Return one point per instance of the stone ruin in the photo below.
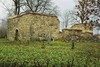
(81, 32)
(35, 26)
(32, 26)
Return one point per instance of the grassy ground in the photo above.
(57, 54)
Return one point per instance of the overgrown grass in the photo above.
(57, 54)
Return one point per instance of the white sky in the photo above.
(63, 5)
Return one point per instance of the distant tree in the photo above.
(8, 8)
(41, 6)
(69, 17)
(89, 11)
(3, 29)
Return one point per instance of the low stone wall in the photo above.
(79, 34)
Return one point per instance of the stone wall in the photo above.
(31, 26)
(83, 27)
(68, 33)
(81, 33)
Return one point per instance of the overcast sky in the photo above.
(63, 5)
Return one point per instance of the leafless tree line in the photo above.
(39, 6)
(69, 18)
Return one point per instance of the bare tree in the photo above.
(69, 17)
(8, 8)
(82, 10)
(3, 28)
(41, 6)
(88, 9)
(17, 6)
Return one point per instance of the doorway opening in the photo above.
(16, 34)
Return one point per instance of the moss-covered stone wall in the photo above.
(32, 26)
(80, 35)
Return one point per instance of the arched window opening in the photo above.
(16, 34)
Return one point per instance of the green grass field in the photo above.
(57, 54)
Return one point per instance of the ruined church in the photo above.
(31, 26)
